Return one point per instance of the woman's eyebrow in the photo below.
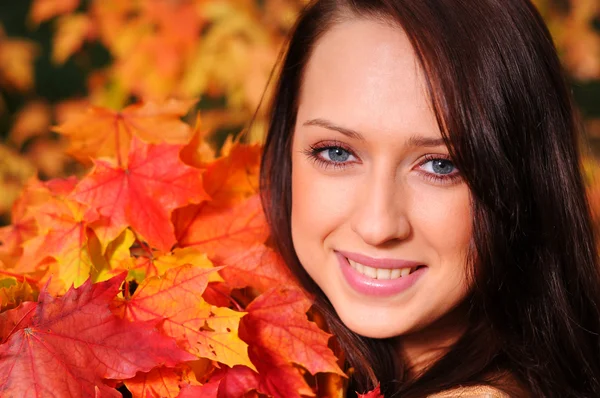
(420, 141)
(414, 140)
(330, 126)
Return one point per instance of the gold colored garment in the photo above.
(471, 392)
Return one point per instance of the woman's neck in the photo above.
(423, 348)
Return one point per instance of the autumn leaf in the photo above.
(376, 393)
(259, 267)
(279, 334)
(236, 382)
(279, 380)
(84, 342)
(204, 330)
(31, 121)
(102, 132)
(13, 292)
(15, 170)
(23, 225)
(221, 231)
(42, 10)
(64, 235)
(116, 258)
(24, 214)
(208, 390)
(159, 382)
(153, 48)
(71, 32)
(152, 263)
(234, 177)
(141, 195)
(16, 63)
(277, 318)
(15, 319)
(198, 152)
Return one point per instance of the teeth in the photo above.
(380, 273)
(384, 273)
(370, 272)
(360, 268)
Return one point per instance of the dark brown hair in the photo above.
(506, 115)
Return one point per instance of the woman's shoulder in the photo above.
(471, 392)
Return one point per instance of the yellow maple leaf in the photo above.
(71, 32)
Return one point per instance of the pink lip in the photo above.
(379, 262)
(378, 287)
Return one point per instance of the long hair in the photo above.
(502, 104)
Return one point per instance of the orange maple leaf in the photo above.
(24, 225)
(221, 231)
(67, 346)
(42, 10)
(159, 382)
(234, 177)
(142, 195)
(72, 31)
(16, 63)
(259, 267)
(64, 235)
(204, 330)
(54, 217)
(102, 132)
(198, 152)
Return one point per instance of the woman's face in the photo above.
(380, 216)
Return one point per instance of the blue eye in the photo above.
(439, 169)
(331, 154)
(439, 166)
(336, 154)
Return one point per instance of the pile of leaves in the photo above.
(150, 274)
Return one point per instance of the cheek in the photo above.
(319, 203)
(443, 220)
(320, 208)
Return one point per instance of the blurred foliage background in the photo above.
(59, 56)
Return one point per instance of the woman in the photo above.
(421, 177)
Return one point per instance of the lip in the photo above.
(378, 287)
(387, 263)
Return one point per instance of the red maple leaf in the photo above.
(376, 393)
(65, 347)
(10, 320)
(225, 383)
(279, 335)
(143, 194)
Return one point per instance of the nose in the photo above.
(380, 216)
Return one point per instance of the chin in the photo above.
(372, 327)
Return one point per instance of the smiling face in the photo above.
(381, 218)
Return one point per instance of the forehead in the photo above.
(365, 74)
